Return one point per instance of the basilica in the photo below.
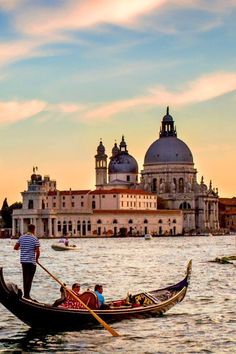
(163, 199)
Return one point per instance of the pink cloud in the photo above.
(16, 50)
(75, 15)
(14, 111)
(202, 89)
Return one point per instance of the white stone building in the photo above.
(121, 204)
(102, 212)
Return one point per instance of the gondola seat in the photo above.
(90, 299)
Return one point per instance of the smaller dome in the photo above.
(101, 149)
(123, 163)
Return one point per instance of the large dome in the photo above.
(123, 163)
(168, 150)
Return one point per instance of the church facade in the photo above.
(165, 200)
(169, 171)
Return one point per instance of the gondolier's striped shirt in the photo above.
(28, 243)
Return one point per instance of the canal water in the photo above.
(205, 322)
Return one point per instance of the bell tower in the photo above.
(101, 166)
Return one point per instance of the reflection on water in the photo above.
(204, 322)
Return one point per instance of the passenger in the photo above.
(70, 301)
(64, 239)
(101, 300)
(62, 298)
(76, 288)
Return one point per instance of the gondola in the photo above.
(45, 316)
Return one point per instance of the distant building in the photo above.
(227, 214)
(121, 204)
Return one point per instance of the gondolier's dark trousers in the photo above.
(28, 270)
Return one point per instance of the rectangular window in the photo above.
(82, 204)
(72, 204)
(63, 204)
(54, 205)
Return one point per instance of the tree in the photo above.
(6, 213)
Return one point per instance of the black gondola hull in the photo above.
(44, 316)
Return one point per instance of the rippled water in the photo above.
(205, 322)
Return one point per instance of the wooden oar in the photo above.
(103, 323)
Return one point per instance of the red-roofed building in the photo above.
(115, 211)
(227, 214)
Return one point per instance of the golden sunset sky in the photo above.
(74, 72)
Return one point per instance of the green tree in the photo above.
(6, 213)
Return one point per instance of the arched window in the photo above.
(99, 221)
(145, 221)
(30, 204)
(185, 206)
(115, 221)
(174, 221)
(160, 221)
(130, 221)
(154, 185)
(59, 226)
(70, 226)
(89, 225)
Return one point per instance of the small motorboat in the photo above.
(147, 237)
(62, 247)
(41, 315)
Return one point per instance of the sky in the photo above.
(74, 72)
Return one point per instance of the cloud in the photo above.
(15, 111)
(10, 5)
(76, 15)
(202, 89)
(38, 24)
(15, 50)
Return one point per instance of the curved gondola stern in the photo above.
(189, 271)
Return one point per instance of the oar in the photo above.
(103, 323)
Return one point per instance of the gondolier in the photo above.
(29, 254)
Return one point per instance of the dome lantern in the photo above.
(167, 125)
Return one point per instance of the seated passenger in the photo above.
(62, 298)
(70, 301)
(101, 300)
